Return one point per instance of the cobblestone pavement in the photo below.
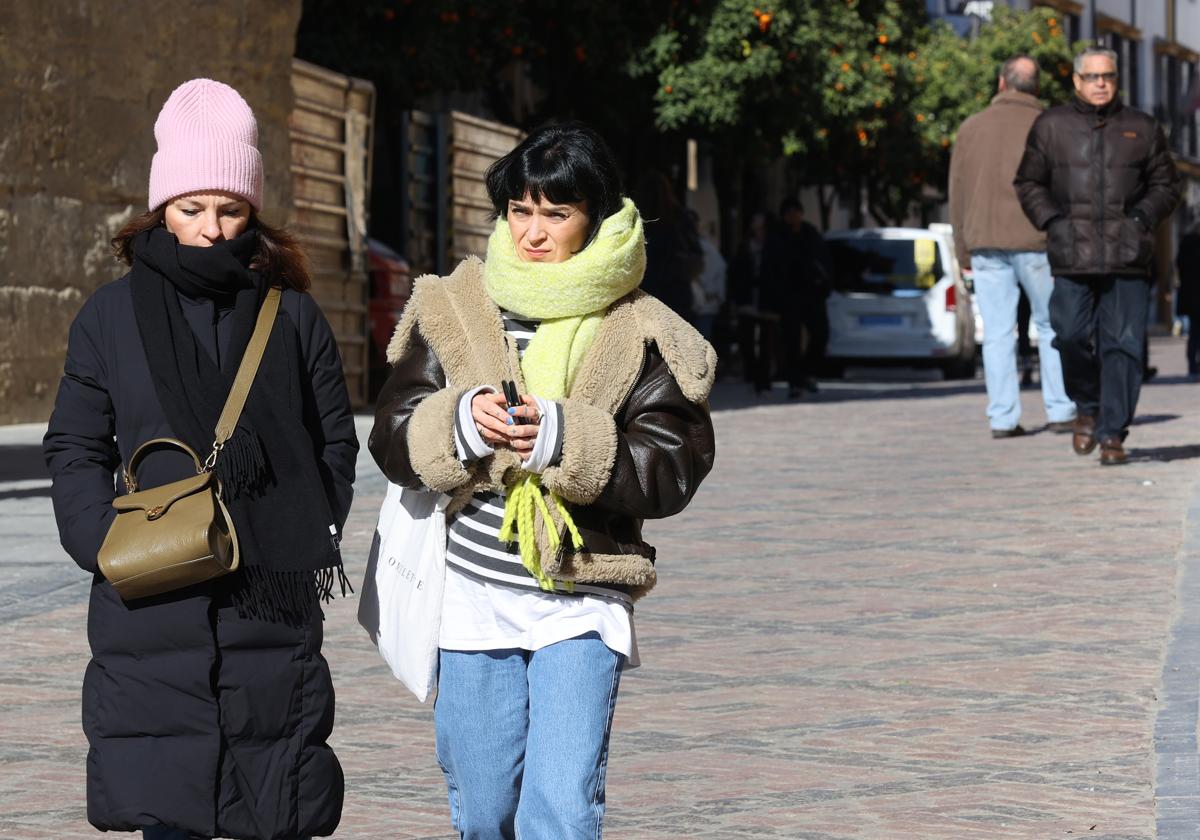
(873, 622)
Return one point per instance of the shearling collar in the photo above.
(463, 326)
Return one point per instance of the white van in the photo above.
(898, 296)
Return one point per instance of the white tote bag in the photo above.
(401, 602)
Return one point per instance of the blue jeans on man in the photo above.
(522, 738)
(1101, 328)
(998, 277)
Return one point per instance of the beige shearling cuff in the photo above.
(588, 453)
(431, 446)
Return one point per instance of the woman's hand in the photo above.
(499, 428)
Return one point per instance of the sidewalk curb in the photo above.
(1177, 754)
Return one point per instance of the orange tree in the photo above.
(953, 79)
(823, 82)
(862, 96)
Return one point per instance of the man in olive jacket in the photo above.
(1004, 251)
(1098, 178)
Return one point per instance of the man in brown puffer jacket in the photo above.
(1098, 178)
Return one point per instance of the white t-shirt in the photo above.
(481, 615)
(477, 615)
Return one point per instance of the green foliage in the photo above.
(955, 78)
(860, 94)
(787, 71)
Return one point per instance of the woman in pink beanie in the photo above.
(207, 708)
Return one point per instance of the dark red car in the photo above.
(391, 285)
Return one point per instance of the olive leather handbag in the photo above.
(178, 534)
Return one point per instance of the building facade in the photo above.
(82, 85)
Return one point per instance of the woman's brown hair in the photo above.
(279, 257)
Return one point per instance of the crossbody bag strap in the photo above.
(236, 400)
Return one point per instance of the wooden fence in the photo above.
(332, 128)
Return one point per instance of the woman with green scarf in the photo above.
(545, 557)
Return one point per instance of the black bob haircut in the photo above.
(568, 163)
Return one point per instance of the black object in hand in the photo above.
(513, 397)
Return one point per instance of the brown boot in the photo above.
(1084, 438)
(1112, 452)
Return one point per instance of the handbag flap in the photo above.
(156, 501)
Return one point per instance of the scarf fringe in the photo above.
(524, 498)
(242, 466)
(287, 597)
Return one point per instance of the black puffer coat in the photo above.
(1098, 181)
(195, 718)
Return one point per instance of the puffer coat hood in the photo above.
(1098, 180)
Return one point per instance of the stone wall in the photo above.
(81, 84)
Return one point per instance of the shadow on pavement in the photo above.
(26, 493)
(20, 462)
(1169, 380)
(733, 395)
(1147, 419)
(1165, 453)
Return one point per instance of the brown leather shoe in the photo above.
(1084, 439)
(1112, 452)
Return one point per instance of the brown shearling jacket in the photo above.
(637, 436)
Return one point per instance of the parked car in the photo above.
(391, 285)
(898, 296)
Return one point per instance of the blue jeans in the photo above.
(1100, 322)
(522, 737)
(997, 275)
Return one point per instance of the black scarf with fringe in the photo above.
(268, 469)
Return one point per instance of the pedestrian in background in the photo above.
(805, 326)
(1024, 347)
(1098, 178)
(1149, 371)
(537, 619)
(708, 287)
(673, 254)
(207, 709)
(1187, 261)
(757, 278)
(1005, 253)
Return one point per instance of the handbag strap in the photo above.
(130, 471)
(236, 400)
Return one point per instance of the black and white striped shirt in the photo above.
(474, 545)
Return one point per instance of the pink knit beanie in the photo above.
(207, 141)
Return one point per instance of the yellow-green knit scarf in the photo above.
(569, 298)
